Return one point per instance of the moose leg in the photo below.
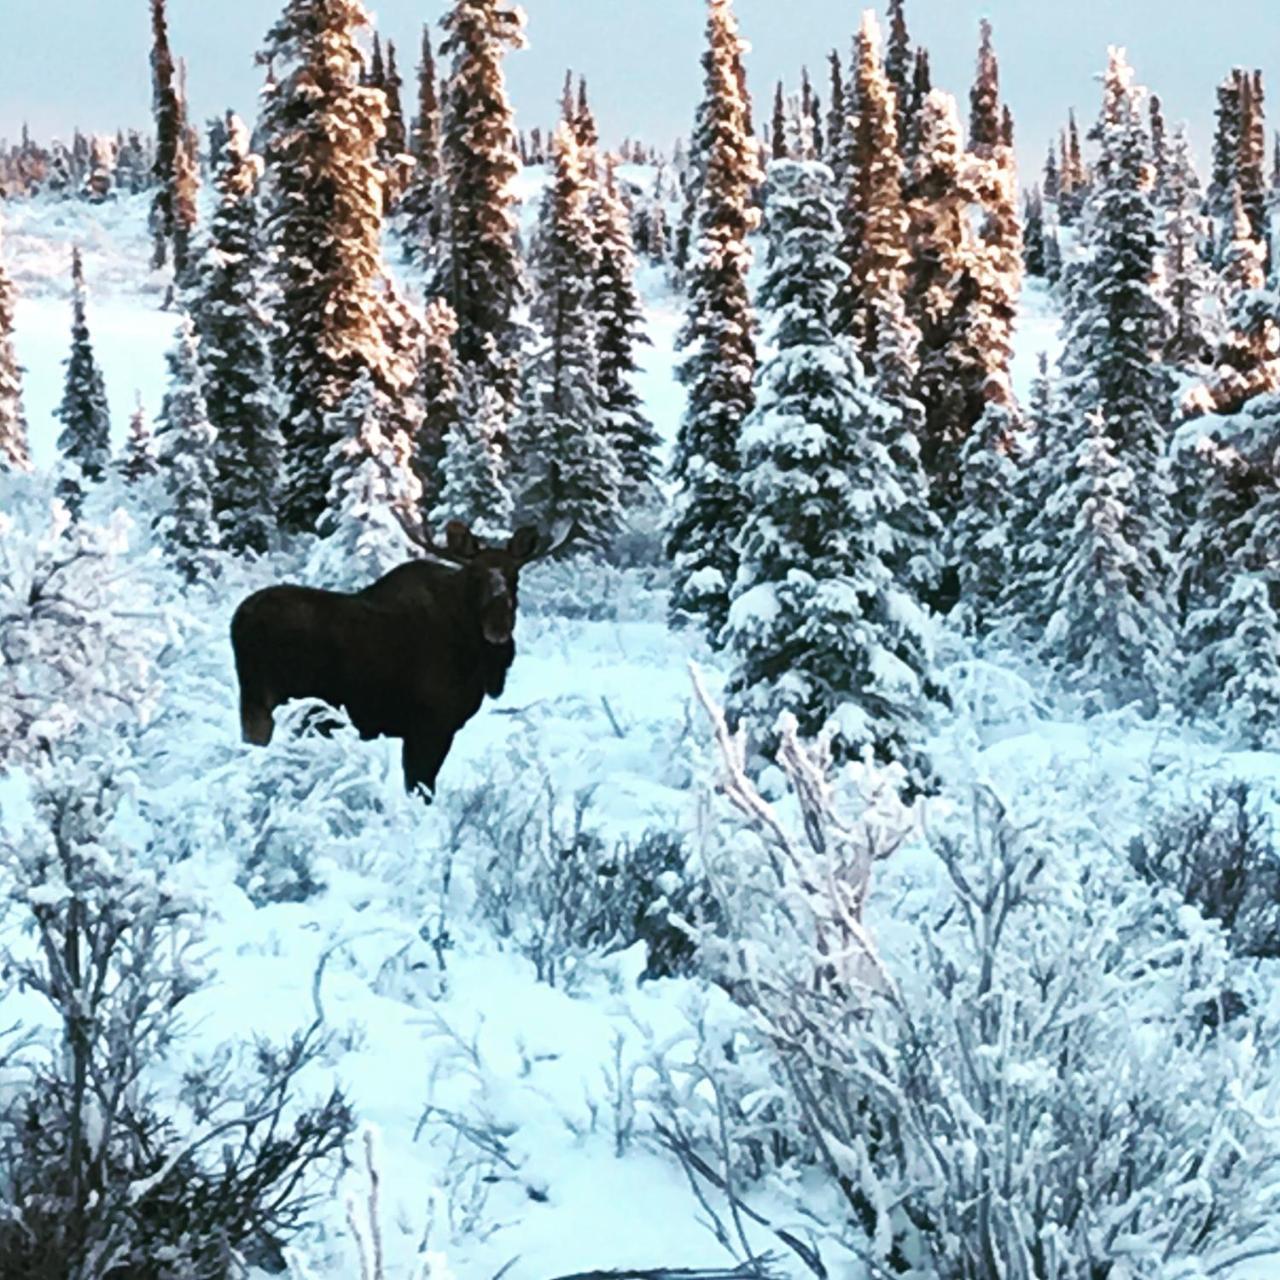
(423, 754)
(256, 725)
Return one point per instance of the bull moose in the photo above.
(411, 656)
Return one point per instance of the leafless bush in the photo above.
(1220, 854)
(97, 1182)
(549, 881)
(1019, 1085)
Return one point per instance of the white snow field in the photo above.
(513, 1116)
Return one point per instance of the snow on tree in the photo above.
(322, 128)
(170, 123)
(373, 496)
(1040, 506)
(912, 527)
(1109, 635)
(1226, 144)
(778, 124)
(718, 338)
(1033, 238)
(984, 99)
(235, 357)
(1051, 177)
(421, 202)
(873, 219)
(921, 86)
(14, 449)
(139, 459)
(1232, 676)
(837, 124)
(473, 483)
(1116, 322)
(1119, 394)
(898, 65)
(477, 269)
(1073, 176)
(983, 543)
(186, 445)
(395, 139)
(438, 393)
(133, 165)
(1187, 275)
(1247, 362)
(566, 458)
(620, 328)
(85, 439)
(965, 275)
(1251, 168)
(817, 624)
(1159, 150)
(399, 375)
(99, 181)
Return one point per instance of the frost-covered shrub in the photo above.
(314, 791)
(1219, 853)
(548, 880)
(78, 628)
(1001, 1068)
(99, 1178)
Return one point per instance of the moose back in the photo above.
(411, 656)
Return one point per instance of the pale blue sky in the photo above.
(84, 62)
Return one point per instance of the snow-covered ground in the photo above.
(511, 1113)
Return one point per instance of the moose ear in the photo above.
(460, 540)
(523, 544)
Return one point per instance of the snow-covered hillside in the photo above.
(511, 1064)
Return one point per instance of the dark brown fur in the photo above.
(411, 656)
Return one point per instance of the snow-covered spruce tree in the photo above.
(138, 460)
(718, 338)
(373, 497)
(235, 355)
(438, 394)
(1232, 675)
(778, 124)
(85, 439)
(566, 462)
(99, 181)
(966, 270)
(1114, 380)
(1247, 361)
(837, 124)
(186, 445)
(620, 328)
(472, 485)
(1109, 636)
(916, 532)
(167, 109)
(1047, 465)
(395, 140)
(14, 449)
(1187, 276)
(899, 63)
(984, 98)
(1226, 144)
(817, 624)
(873, 219)
(1251, 168)
(321, 130)
(399, 376)
(477, 269)
(421, 201)
(1033, 241)
(1159, 150)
